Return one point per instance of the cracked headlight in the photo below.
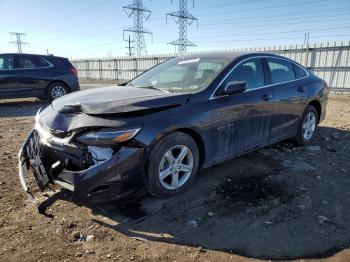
(105, 138)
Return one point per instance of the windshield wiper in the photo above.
(153, 87)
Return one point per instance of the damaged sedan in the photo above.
(155, 132)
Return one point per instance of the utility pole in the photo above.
(18, 41)
(306, 42)
(138, 12)
(184, 19)
(129, 47)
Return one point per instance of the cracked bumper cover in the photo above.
(116, 178)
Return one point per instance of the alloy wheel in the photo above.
(175, 167)
(309, 125)
(58, 91)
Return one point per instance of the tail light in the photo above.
(74, 71)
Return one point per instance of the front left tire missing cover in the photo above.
(173, 165)
(56, 90)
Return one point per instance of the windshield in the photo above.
(181, 75)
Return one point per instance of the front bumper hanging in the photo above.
(29, 155)
(117, 178)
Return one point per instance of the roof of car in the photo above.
(33, 55)
(231, 55)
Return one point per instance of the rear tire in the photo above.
(56, 90)
(173, 164)
(307, 126)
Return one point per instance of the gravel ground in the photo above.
(282, 202)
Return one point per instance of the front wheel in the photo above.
(173, 164)
(56, 90)
(307, 126)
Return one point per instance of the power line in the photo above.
(247, 20)
(139, 12)
(273, 17)
(224, 5)
(254, 29)
(183, 18)
(271, 23)
(235, 37)
(78, 25)
(91, 30)
(269, 39)
(276, 33)
(77, 13)
(18, 41)
(264, 8)
(323, 15)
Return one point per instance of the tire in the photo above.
(56, 90)
(305, 135)
(159, 163)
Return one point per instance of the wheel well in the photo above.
(317, 105)
(198, 139)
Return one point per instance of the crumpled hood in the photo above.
(116, 99)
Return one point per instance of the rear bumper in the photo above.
(73, 83)
(75, 86)
(117, 178)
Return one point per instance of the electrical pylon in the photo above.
(18, 41)
(139, 13)
(183, 18)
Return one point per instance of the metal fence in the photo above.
(329, 61)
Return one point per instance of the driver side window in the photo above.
(250, 71)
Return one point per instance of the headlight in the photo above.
(100, 138)
(46, 137)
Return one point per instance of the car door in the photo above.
(8, 82)
(31, 74)
(241, 121)
(290, 96)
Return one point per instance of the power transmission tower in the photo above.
(129, 47)
(138, 12)
(183, 18)
(18, 41)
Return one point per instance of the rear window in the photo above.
(299, 72)
(281, 70)
(61, 62)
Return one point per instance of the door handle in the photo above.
(266, 97)
(301, 89)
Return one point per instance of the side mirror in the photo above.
(232, 87)
(235, 87)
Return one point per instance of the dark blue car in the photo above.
(45, 77)
(156, 131)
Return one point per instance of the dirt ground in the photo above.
(280, 203)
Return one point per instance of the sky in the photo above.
(94, 28)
